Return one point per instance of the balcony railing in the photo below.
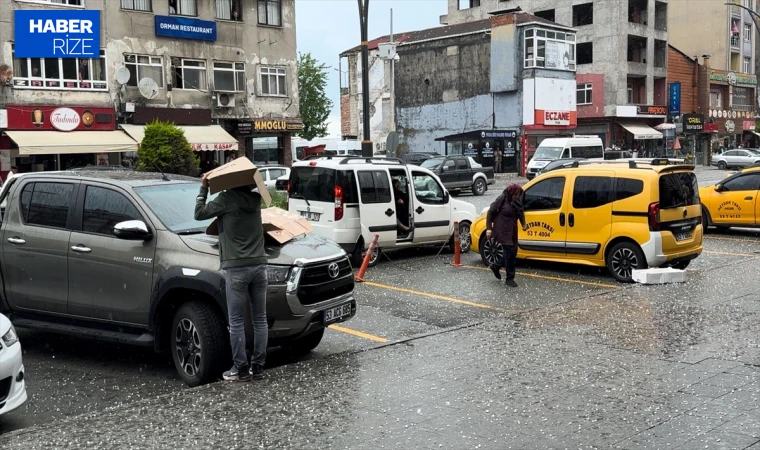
(735, 41)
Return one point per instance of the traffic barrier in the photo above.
(371, 251)
(457, 247)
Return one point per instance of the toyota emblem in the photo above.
(333, 270)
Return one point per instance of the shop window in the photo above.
(183, 7)
(743, 99)
(747, 32)
(547, 14)
(144, 66)
(229, 76)
(61, 73)
(189, 74)
(62, 2)
(716, 100)
(270, 13)
(583, 94)
(747, 65)
(550, 49)
(137, 5)
(467, 4)
(104, 208)
(273, 81)
(229, 10)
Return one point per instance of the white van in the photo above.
(350, 199)
(586, 147)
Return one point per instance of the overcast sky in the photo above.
(327, 27)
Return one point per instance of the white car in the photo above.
(12, 384)
(740, 158)
(351, 200)
(270, 174)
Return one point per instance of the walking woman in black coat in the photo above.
(501, 226)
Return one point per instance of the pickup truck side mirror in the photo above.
(132, 230)
(444, 168)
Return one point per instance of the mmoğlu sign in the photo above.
(56, 34)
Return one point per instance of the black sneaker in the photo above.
(256, 372)
(496, 271)
(511, 283)
(237, 375)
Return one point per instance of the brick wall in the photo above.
(682, 68)
(345, 114)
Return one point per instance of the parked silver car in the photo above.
(742, 157)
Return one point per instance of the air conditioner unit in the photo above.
(225, 99)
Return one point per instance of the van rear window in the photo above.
(317, 184)
(678, 189)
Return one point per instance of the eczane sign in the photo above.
(57, 34)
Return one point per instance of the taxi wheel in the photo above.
(623, 259)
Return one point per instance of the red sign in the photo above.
(556, 118)
(749, 125)
(62, 118)
(214, 147)
(711, 127)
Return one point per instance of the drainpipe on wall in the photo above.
(705, 105)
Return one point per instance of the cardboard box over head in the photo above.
(240, 172)
(281, 225)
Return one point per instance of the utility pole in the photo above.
(393, 82)
(367, 149)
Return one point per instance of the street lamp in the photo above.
(367, 150)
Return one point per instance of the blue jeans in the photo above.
(247, 284)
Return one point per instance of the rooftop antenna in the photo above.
(163, 175)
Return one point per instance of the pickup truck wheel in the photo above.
(479, 187)
(198, 343)
(305, 344)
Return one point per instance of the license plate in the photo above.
(312, 216)
(683, 236)
(334, 314)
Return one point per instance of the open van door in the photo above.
(376, 207)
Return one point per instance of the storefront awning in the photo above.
(72, 142)
(641, 131)
(201, 138)
(753, 132)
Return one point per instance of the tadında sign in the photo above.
(57, 34)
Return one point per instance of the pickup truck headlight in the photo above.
(278, 274)
(10, 337)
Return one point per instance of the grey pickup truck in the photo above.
(116, 255)
(459, 173)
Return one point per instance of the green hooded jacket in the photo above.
(241, 234)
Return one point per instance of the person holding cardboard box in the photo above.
(243, 259)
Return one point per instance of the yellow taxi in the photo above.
(733, 202)
(622, 215)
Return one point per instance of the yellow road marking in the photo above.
(427, 294)
(728, 253)
(371, 337)
(547, 277)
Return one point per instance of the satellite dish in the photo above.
(123, 75)
(6, 73)
(148, 88)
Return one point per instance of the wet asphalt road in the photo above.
(408, 294)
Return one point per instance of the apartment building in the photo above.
(725, 39)
(621, 57)
(225, 70)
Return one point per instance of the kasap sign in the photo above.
(57, 34)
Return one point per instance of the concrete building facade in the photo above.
(234, 73)
(621, 61)
(503, 83)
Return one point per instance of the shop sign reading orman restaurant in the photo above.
(185, 28)
(56, 34)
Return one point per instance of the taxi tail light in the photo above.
(654, 216)
(338, 203)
